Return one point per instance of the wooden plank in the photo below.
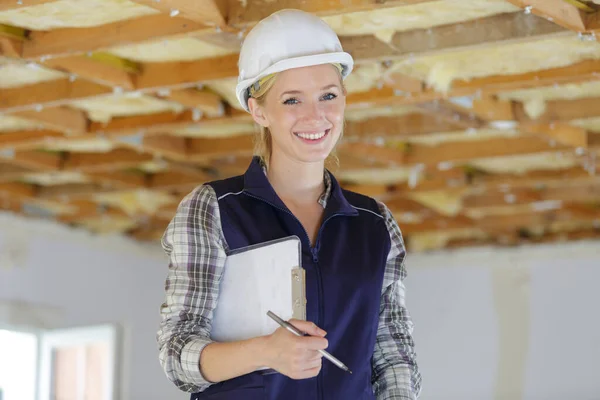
(72, 41)
(63, 119)
(42, 160)
(502, 28)
(10, 47)
(55, 92)
(209, 12)
(248, 13)
(168, 179)
(18, 189)
(119, 158)
(487, 108)
(396, 127)
(453, 151)
(6, 5)
(201, 148)
(568, 192)
(93, 70)
(167, 146)
(119, 178)
(158, 122)
(462, 118)
(581, 72)
(9, 172)
(584, 71)
(562, 110)
(204, 100)
(187, 72)
(21, 139)
(560, 12)
(560, 132)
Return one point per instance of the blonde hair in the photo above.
(263, 143)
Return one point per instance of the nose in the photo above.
(314, 111)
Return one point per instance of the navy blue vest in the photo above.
(344, 277)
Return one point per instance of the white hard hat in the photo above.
(287, 39)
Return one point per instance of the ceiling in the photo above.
(476, 121)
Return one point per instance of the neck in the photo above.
(300, 182)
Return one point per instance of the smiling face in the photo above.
(304, 111)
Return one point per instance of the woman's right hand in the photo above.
(296, 356)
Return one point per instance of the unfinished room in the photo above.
(299, 199)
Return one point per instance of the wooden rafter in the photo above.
(58, 118)
(454, 151)
(502, 28)
(244, 14)
(561, 12)
(567, 192)
(92, 69)
(210, 12)
(72, 41)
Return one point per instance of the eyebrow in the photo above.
(299, 92)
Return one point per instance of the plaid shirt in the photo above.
(197, 250)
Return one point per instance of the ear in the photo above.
(258, 113)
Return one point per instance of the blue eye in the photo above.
(329, 96)
(291, 101)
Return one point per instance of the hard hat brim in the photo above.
(342, 58)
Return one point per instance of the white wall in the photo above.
(87, 281)
(518, 323)
(503, 324)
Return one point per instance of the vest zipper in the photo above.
(321, 318)
(314, 250)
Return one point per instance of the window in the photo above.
(70, 364)
(18, 360)
(78, 364)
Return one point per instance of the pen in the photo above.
(297, 332)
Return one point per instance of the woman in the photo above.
(292, 69)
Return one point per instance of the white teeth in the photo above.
(311, 136)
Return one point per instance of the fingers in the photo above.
(308, 327)
(312, 343)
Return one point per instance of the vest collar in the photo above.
(257, 184)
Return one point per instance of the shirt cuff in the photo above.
(190, 362)
(397, 394)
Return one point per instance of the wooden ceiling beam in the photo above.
(22, 139)
(413, 154)
(10, 47)
(568, 192)
(169, 179)
(92, 69)
(48, 94)
(560, 132)
(63, 119)
(201, 148)
(209, 12)
(245, 14)
(127, 180)
(18, 190)
(509, 28)
(73, 41)
(410, 124)
(443, 109)
(561, 12)
(118, 158)
(204, 100)
(168, 74)
(561, 110)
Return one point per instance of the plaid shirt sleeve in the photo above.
(396, 375)
(196, 248)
